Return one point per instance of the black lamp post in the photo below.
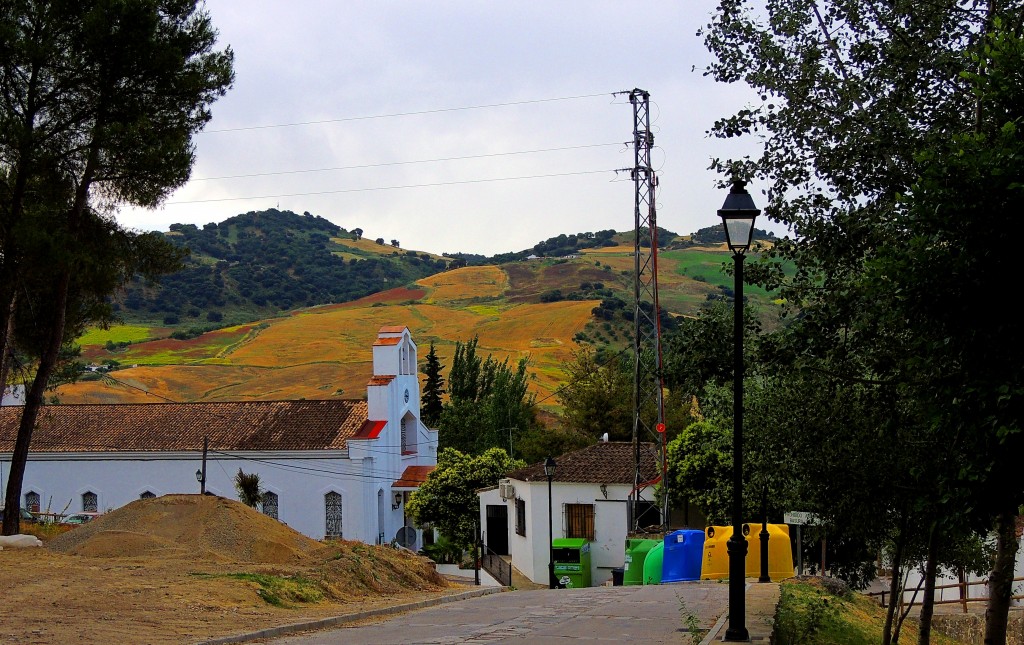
(549, 472)
(764, 537)
(738, 214)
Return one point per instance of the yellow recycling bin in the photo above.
(715, 565)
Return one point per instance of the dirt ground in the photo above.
(157, 571)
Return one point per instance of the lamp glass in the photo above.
(199, 475)
(549, 467)
(739, 231)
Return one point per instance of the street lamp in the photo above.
(549, 472)
(738, 214)
(201, 478)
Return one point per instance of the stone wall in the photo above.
(970, 628)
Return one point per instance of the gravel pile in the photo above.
(202, 527)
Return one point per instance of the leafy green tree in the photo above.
(102, 99)
(433, 388)
(891, 151)
(699, 469)
(597, 398)
(448, 499)
(488, 402)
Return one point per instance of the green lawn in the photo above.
(116, 334)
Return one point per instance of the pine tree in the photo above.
(432, 389)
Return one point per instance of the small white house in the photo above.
(590, 494)
(329, 468)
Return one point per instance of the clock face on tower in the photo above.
(407, 396)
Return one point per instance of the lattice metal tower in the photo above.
(648, 401)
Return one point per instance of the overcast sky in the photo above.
(393, 83)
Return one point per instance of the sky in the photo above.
(458, 125)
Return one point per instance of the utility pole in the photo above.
(648, 405)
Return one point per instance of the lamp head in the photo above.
(199, 476)
(549, 467)
(738, 214)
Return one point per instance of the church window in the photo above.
(90, 502)
(270, 504)
(332, 505)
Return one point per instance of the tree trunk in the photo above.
(33, 402)
(928, 602)
(1000, 580)
(895, 588)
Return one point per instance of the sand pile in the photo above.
(198, 527)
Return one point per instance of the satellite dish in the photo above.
(406, 537)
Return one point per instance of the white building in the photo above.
(337, 468)
(589, 497)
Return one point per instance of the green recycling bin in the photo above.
(653, 564)
(572, 562)
(636, 553)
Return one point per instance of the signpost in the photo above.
(800, 518)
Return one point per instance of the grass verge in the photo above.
(279, 591)
(816, 612)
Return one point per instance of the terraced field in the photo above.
(324, 352)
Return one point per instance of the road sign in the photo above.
(799, 517)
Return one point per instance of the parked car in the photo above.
(79, 518)
(26, 516)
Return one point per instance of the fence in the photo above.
(965, 593)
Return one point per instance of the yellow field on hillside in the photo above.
(327, 352)
(465, 283)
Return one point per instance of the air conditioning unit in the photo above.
(506, 489)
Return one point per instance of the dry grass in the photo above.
(465, 283)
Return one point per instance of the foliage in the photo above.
(597, 397)
(248, 487)
(699, 469)
(448, 498)
(488, 402)
(433, 388)
(539, 442)
(443, 551)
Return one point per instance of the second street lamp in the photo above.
(549, 472)
(738, 214)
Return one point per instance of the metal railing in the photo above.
(496, 565)
(965, 594)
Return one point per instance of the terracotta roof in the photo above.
(158, 427)
(380, 380)
(612, 462)
(387, 341)
(392, 329)
(413, 476)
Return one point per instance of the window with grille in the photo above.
(270, 504)
(32, 501)
(332, 506)
(579, 521)
(408, 435)
(147, 495)
(90, 503)
(521, 517)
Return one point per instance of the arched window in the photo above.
(332, 506)
(32, 501)
(90, 502)
(270, 504)
(408, 425)
(147, 495)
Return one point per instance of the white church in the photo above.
(330, 468)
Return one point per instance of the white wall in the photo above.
(530, 554)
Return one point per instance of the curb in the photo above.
(282, 630)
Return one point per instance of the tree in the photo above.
(101, 102)
(380, 241)
(597, 398)
(357, 233)
(394, 243)
(248, 487)
(891, 151)
(448, 498)
(699, 468)
(433, 388)
(488, 402)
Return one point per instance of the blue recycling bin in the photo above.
(682, 555)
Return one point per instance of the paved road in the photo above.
(640, 614)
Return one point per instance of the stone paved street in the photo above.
(639, 614)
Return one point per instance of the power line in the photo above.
(399, 114)
(378, 188)
(417, 161)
